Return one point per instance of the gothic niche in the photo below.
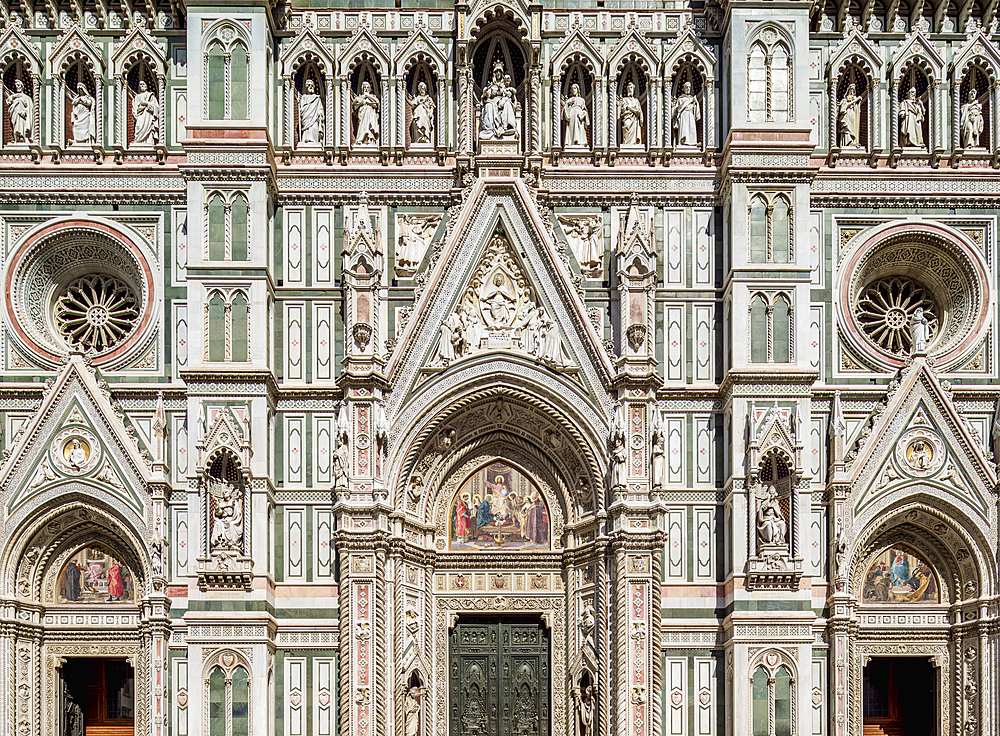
(310, 106)
(577, 102)
(226, 521)
(632, 90)
(19, 105)
(686, 109)
(499, 311)
(366, 89)
(499, 508)
(499, 72)
(143, 115)
(80, 106)
(974, 110)
(421, 106)
(899, 575)
(913, 93)
(95, 574)
(853, 105)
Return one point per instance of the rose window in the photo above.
(885, 308)
(96, 313)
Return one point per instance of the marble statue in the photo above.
(21, 109)
(227, 518)
(919, 330)
(686, 114)
(146, 111)
(312, 117)
(772, 529)
(421, 116)
(577, 118)
(619, 458)
(82, 116)
(630, 115)
(659, 462)
(586, 239)
(341, 462)
(366, 109)
(415, 233)
(585, 704)
(849, 118)
(972, 120)
(911, 118)
(499, 115)
(411, 712)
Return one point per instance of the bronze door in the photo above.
(499, 678)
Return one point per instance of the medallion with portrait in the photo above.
(95, 574)
(899, 575)
(499, 507)
(75, 451)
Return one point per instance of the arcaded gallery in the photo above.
(500, 368)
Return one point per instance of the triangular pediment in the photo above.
(577, 43)
(420, 44)
(978, 49)
(77, 441)
(690, 46)
(858, 49)
(501, 285)
(919, 443)
(308, 43)
(633, 42)
(13, 42)
(76, 41)
(916, 45)
(364, 42)
(228, 428)
(139, 41)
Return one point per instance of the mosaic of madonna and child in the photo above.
(499, 508)
(900, 576)
(95, 575)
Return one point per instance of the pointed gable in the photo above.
(307, 44)
(915, 48)
(577, 44)
(91, 449)
(364, 43)
(138, 41)
(420, 45)
(13, 43)
(633, 43)
(856, 48)
(75, 44)
(689, 47)
(918, 441)
(979, 50)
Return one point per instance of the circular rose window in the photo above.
(899, 268)
(96, 313)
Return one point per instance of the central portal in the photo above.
(900, 697)
(499, 677)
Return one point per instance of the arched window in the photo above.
(227, 75)
(761, 706)
(781, 330)
(228, 227)
(771, 693)
(783, 702)
(770, 229)
(769, 79)
(758, 330)
(216, 328)
(228, 702)
(241, 329)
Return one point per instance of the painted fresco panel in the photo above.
(499, 508)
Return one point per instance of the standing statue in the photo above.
(577, 118)
(586, 238)
(911, 118)
(619, 458)
(21, 108)
(82, 117)
(411, 712)
(686, 114)
(630, 115)
(772, 529)
(312, 117)
(972, 120)
(422, 116)
(919, 331)
(227, 521)
(146, 111)
(499, 116)
(659, 462)
(849, 118)
(366, 110)
(585, 704)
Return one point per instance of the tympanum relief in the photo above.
(414, 236)
(499, 508)
(585, 235)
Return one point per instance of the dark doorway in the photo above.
(900, 697)
(499, 678)
(99, 695)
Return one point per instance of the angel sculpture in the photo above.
(586, 238)
(415, 232)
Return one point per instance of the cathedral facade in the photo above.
(499, 368)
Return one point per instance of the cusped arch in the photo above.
(633, 46)
(469, 459)
(419, 47)
(577, 47)
(42, 543)
(227, 33)
(690, 49)
(488, 12)
(363, 47)
(945, 536)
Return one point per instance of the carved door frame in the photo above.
(551, 609)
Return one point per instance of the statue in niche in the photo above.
(227, 518)
(577, 118)
(630, 115)
(849, 118)
(772, 529)
(618, 460)
(366, 109)
(686, 115)
(911, 119)
(499, 115)
(21, 109)
(659, 463)
(919, 330)
(82, 116)
(415, 233)
(421, 116)
(972, 120)
(312, 117)
(411, 711)
(146, 111)
(585, 702)
(586, 238)
(341, 462)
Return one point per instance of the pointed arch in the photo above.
(578, 61)
(770, 75)
(227, 71)
(421, 59)
(689, 60)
